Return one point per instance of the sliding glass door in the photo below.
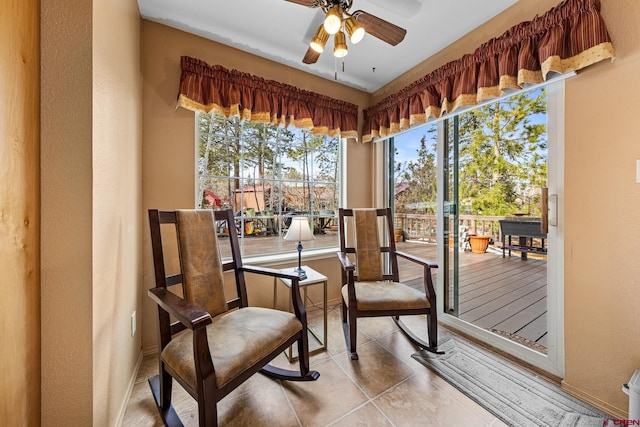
(461, 185)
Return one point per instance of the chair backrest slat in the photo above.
(200, 260)
(385, 243)
(368, 254)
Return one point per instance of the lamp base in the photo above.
(300, 272)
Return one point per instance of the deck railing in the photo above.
(423, 227)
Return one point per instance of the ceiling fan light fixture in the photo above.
(319, 40)
(333, 20)
(340, 48)
(354, 30)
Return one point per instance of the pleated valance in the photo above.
(567, 38)
(233, 93)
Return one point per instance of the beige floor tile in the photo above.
(257, 381)
(141, 409)
(417, 401)
(148, 368)
(265, 406)
(320, 402)
(365, 416)
(336, 344)
(385, 387)
(375, 327)
(400, 346)
(376, 370)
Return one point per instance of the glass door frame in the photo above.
(553, 361)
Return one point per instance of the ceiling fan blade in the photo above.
(377, 27)
(311, 56)
(308, 3)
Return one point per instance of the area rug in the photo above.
(512, 394)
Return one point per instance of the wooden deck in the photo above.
(505, 295)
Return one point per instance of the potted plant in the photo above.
(479, 243)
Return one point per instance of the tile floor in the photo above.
(385, 387)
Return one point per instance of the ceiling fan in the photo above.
(356, 25)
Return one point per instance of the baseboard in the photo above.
(127, 395)
(614, 412)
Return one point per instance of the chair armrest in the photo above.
(268, 272)
(191, 316)
(427, 265)
(347, 265)
(296, 298)
(417, 260)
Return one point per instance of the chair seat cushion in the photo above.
(385, 295)
(237, 340)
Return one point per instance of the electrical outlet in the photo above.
(133, 323)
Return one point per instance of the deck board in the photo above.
(498, 310)
(537, 328)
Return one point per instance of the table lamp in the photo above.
(299, 231)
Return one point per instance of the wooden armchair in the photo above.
(369, 288)
(215, 344)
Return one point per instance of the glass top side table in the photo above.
(313, 278)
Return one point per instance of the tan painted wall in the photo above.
(91, 237)
(20, 217)
(66, 175)
(117, 201)
(169, 139)
(602, 241)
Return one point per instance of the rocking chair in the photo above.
(369, 291)
(216, 344)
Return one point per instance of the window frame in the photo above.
(320, 211)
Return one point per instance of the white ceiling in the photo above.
(280, 31)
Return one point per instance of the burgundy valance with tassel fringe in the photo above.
(567, 38)
(210, 88)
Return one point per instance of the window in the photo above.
(268, 174)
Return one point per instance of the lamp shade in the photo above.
(319, 40)
(340, 49)
(299, 230)
(354, 30)
(333, 20)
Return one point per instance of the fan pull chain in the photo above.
(335, 68)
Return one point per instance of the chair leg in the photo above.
(432, 330)
(208, 403)
(208, 415)
(350, 329)
(303, 356)
(168, 413)
(166, 386)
